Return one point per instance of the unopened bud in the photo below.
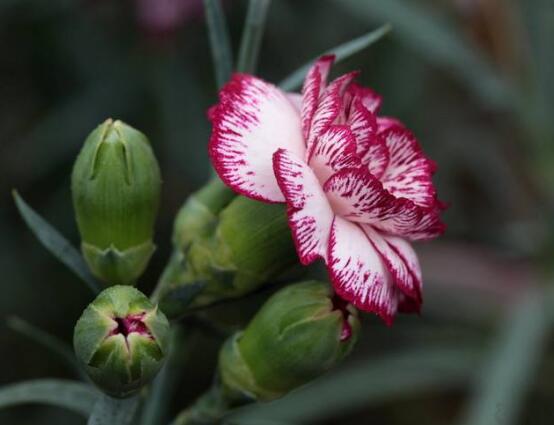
(121, 339)
(300, 332)
(116, 189)
(231, 252)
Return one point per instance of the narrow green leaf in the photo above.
(341, 52)
(252, 35)
(48, 341)
(434, 38)
(54, 242)
(219, 41)
(503, 385)
(376, 381)
(113, 411)
(70, 395)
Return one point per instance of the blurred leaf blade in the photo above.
(501, 388)
(252, 35)
(341, 52)
(433, 38)
(54, 242)
(63, 350)
(71, 395)
(219, 41)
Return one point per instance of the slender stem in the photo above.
(219, 41)
(252, 35)
(113, 411)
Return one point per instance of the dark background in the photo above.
(474, 79)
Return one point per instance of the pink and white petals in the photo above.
(356, 195)
(357, 186)
(314, 85)
(328, 110)
(408, 173)
(357, 271)
(399, 259)
(371, 100)
(335, 150)
(252, 120)
(310, 215)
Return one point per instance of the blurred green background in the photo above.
(474, 79)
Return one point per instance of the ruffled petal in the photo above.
(363, 125)
(370, 99)
(358, 272)
(358, 196)
(310, 215)
(376, 157)
(400, 260)
(252, 120)
(335, 150)
(314, 85)
(386, 123)
(328, 110)
(362, 121)
(408, 173)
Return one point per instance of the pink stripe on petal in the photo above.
(314, 85)
(252, 120)
(358, 196)
(329, 109)
(309, 212)
(386, 123)
(408, 174)
(334, 151)
(376, 157)
(355, 195)
(358, 272)
(363, 125)
(401, 269)
(370, 99)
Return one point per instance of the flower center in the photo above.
(341, 305)
(130, 324)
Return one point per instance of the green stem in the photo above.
(113, 411)
(252, 35)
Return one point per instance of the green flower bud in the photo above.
(116, 190)
(300, 332)
(121, 339)
(231, 249)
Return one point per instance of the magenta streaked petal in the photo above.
(335, 150)
(358, 196)
(400, 260)
(309, 212)
(409, 173)
(328, 109)
(357, 271)
(252, 120)
(370, 99)
(314, 85)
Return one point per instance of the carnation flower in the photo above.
(357, 186)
